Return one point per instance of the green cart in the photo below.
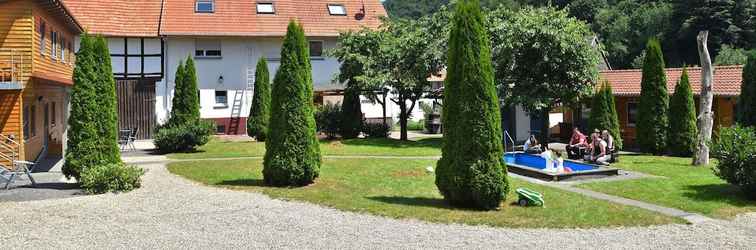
(529, 197)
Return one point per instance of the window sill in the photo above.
(317, 58)
(220, 106)
(208, 57)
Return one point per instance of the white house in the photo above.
(226, 38)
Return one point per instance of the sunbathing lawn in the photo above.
(219, 148)
(403, 189)
(692, 189)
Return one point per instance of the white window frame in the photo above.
(198, 2)
(42, 35)
(223, 104)
(54, 45)
(202, 47)
(334, 6)
(322, 48)
(62, 49)
(272, 10)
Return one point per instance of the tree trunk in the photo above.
(705, 117)
(403, 119)
(545, 128)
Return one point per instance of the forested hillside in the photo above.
(624, 26)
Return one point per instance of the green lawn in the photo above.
(403, 189)
(218, 148)
(692, 189)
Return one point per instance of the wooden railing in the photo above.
(11, 68)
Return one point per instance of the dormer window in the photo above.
(204, 6)
(265, 8)
(336, 9)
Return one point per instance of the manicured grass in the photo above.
(403, 189)
(682, 186)
(218, 148)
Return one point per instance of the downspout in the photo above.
(165, 57)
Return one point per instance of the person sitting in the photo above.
(611, 150)
(599, 153)
(576, 145)
(532, 146)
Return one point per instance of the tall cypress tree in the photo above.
(190, 92)
(746, 114)
(471, 172)
(178, 83)
(107, 125)
(259, 113)
(351, 113)
(82, 144)
(682, 119)
(654, 102)
(604, 113)
(292, 156)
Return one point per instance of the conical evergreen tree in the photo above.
(82, 144)
(747, 101)
(259, 113)
(471, 172)
(351, 113)
(107, 103)
(190, 92)
(175, 117)
(292, 156)
(604, 114)
(682, 119)
(653, 122)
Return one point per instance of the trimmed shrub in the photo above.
(351, 114)
(376, 130)
(471, 172)
(604, 114)
(114, 177)
(328, 119)
(184, 137)
(735, 151)
(682, 119)
(416, 125)
(185, 98)
(746, 114)
(653, 121)
(292, 156)
(259, 113)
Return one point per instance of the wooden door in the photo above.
(136, 106)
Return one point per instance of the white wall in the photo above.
(239, 55)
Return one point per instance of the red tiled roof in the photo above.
(727, 80)
(240, 18)
(129, 18)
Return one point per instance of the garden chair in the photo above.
(19, 168)
(132, 138)
(123, 138)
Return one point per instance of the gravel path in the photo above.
(170, 212)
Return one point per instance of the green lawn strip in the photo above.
(682, 186)
(218, 148)
(403, 189)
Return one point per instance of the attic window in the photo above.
(204, 6)
(336, 9)
(265, 8)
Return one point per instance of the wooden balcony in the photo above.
(12, 69)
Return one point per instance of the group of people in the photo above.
(598, 150)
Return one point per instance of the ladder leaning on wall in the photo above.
(238, 103)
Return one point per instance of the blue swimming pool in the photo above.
(533, 165)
